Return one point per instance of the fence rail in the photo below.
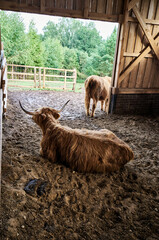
(41, 77)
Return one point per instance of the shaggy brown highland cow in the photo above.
(98, 89)
(81, 149)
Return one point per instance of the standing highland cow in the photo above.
(98, 89)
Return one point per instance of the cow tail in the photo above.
(92, 84)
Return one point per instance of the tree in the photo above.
(13, 37)
(67, 28)
(87, 38)
(51, 31)
(35, 50)
(54, 53)
(70, 58)
(106, 51)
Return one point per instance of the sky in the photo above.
(105, 28)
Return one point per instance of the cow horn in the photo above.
(63, 106)
(30, 113)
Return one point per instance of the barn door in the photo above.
(137, 58)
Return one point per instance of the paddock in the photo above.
(64, 204)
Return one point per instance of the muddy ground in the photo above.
(63, 204)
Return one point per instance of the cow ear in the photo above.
(43, 116)
(56, 115)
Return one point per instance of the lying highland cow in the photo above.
(98, 89)
(81, 149)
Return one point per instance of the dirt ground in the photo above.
(62, 204)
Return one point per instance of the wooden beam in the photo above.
(130, 54)
(135, 90)
(132, 4)
(103, 17)
(149, 21)
(146, 31)
(8, 5)
(64, 12)
(122, 38)
(134, 63)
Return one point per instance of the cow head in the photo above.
(40, 116)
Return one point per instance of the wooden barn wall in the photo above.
(109, 10)
(145, 73)
(136, 80)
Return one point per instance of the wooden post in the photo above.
(12, 72)
(74, 80)
(44, 78)
(34, 77)
(122, 40)
(65, 80)
(39, 77)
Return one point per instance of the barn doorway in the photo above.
(85, 45)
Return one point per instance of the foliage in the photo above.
(13, 37)
(35, 50)
(54, 53)
(68, 44)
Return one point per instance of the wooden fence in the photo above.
(41, 77)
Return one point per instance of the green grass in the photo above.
(28, 84)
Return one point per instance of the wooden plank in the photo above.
(141, 66)
(21, 73)
(133, 74)
(131, 67)
(42, 6)
(101, 5)
(109, 7)
(154, 13)
(137, 48)
(135, 54)
(35, 77)
(119, 7)
(64, 12)
(131, 4)
(94, 6)
(61, 4)
(115, 74)
(40, 77)
(65, 80)
(103, 17)
(86, 8)
(79, 5)
(146, 31)
(149, 65)
(135, 91)
(124, 36)
(149, 21)
(69, 4)
(17, 80)
(131, 46)
(20, 86)
(43, 77)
